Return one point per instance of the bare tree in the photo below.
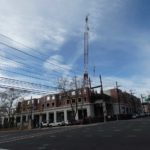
(7, 103)
(68, 88)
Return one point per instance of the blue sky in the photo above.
(118, 45)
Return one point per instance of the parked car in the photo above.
(44, 124)
(134, 116)
(142, 114)
(62, 123)
(52, 124)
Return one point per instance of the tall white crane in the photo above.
(86, 49)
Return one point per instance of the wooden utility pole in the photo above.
(103, 99)
(118, 99)
(30, 115)
(101, 84)
(134, 105)
(143, 110)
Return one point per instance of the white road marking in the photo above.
(137, 130)
(100, 130)
(88, 136)
(17, 138)
(52, 136)
(69, 136)
(107, 136)
(41, 148)
(3, 136)
(116, 130)
(131, 136)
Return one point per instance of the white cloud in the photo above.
(6, 63)
(139, 85)
(55, 63)
(36, 23)
(48, 25)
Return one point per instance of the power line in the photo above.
(31, 91)
(30, 56)
(25, 69)
(27, 47)
(35, 57)
(24, 82)
(23, 74)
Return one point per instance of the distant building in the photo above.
(124, 103)
(146, 107)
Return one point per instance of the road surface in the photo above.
(117, 135)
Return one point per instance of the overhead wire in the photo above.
(25, 82)
(22, 74)
(34, 50)
(38, 92)
(27, 54)
(26, 70)
(35, 57)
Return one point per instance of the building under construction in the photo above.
(82, 105)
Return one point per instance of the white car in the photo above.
(62, 123)
(54, 124)
(134, 116)
(44, 124)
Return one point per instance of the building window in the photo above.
(68, 101)
(53, 104)
(85, 99)
(79, 92)
(53, 97)
(73, 93)
(47, 104)
(79, 100)
(18, 119)
(28, 102)
(48, 98)
(59, 96)
(38, 101)
(43, 106)
(73, 100)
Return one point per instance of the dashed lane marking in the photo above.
(107, 136)
(131, 136)
(100, 130)
(137, 130)
(116, 130)
(34, 135)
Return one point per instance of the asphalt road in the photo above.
(117, 135)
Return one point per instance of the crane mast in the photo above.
(86, 47)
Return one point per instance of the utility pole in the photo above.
(94, 69)
(90, 83)
(131, 93)
(103, 99)
(30, 114)
(143, 110)
(118, 99)
(101, 84)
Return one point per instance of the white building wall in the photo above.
(116, 108)
(90, 110)
(89, 107)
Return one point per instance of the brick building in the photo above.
(76, 105)
(146, 107)
(56, 107)
(124, 103)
